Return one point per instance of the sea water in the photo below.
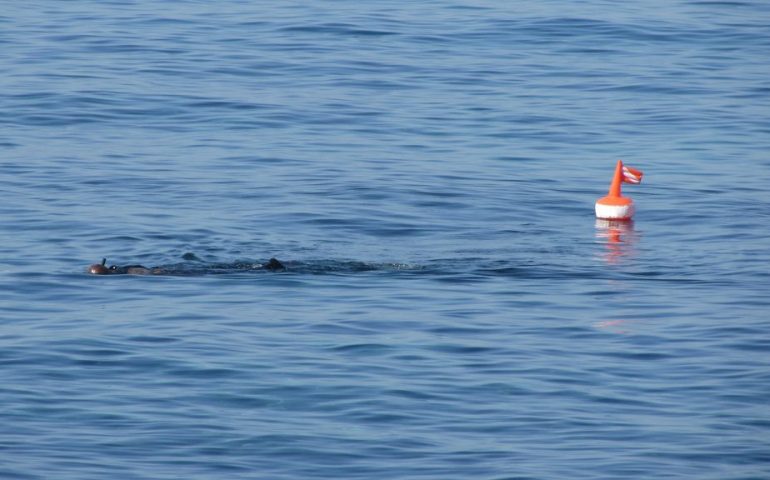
(427, 170)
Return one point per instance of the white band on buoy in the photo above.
(614, 212)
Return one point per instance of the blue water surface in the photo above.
(427, 170)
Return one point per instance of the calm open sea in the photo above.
(427, 170)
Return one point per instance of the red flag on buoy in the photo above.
(632, 175)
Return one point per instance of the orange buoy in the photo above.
(615, 206)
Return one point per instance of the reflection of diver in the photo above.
(272, 265)
(619, 236)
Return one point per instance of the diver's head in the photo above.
(102, 269)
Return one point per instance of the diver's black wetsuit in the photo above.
(134, 270)
(272, 265)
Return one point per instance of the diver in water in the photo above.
(272, 265)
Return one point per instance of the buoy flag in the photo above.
(632, 175)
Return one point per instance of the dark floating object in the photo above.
(99, 268)
(272, 265)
